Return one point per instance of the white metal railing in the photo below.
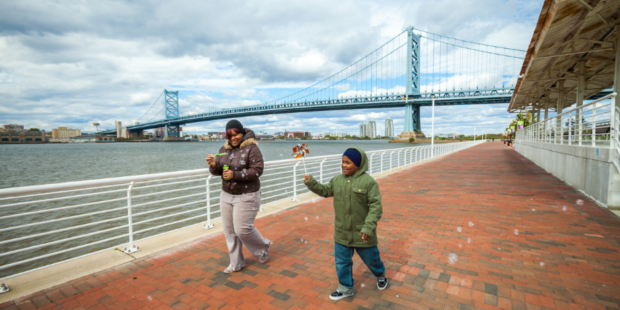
(590, 125)
(47, 224)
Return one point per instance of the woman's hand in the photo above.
(365, 237)
(306, 178)
(228, 174)
(211, 160)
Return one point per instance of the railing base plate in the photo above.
(4, 288)
(132, 249)
(209, 226)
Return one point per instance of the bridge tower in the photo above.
(171, 108)
(412, 111)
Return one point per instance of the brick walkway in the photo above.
(524, 240)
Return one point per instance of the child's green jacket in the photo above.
(357, 204)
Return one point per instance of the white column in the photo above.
(559, 135)
(581, 86)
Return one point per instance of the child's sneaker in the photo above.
(382, 284)
(337, 295)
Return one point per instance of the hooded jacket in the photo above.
(246, 162)
(357, 205)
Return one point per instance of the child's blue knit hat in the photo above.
(354, 155)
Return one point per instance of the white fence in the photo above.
(48, 224)
(592, 124)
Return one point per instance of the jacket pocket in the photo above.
(360, 197)
(337, 226)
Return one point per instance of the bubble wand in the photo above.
(300, 150)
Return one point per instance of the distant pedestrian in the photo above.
(240, 198)
(357, 205)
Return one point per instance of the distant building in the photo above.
(363, 130)
(446, 135)
(389, 127)
(63, 133)
(295, 134)
(371, 129)
(11, 136)
(263, 136)
(13, 127)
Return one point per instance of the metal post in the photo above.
(209, 224)
(295, 182)
(132, 248)
(322, 168)
(594, 123)
(391, 160)
(370, 164)
(433, 122)
(398, 160)
(382, 162)
(559, 134)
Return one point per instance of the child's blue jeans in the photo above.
(344, 264)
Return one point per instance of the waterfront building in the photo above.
(363, 130)
(12, 136)
(295, 134)
(371, 129)
(264, 136)
(64, 133)
(389, 127)
(13, 127)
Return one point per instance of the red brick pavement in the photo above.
(517, 248)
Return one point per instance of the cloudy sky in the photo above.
(72, 63)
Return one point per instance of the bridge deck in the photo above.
(558, 260)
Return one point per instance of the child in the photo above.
(357, 205)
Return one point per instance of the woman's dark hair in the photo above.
(231, 132)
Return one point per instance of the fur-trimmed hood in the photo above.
(248, 139)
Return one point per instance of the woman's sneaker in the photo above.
(382, 284)
(265, 256)
(337, 295)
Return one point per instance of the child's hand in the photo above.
(306, 178)
(227, 174)
(365, 237)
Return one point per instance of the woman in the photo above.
(240, 196)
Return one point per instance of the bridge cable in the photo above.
(147, 111)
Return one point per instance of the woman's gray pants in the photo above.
(238, 215)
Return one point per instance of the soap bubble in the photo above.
(302, 239)
(471, 224)
(499, 249)
(244, 170)
(246, 186)
(232, 155)
(317, 217)
(516, 231)
(242, 162)
(542, 264)
(149, 298)
(281, 155)
(306, 241)
(257, 174)
(564, 208)
(579, 202)
(306, 218)
(460, 245)
(453, 258)
(533, 209)
(468, 240)
(396, 296)
(363, 285)
(242, 155)
(459, 229)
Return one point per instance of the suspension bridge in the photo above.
(408, 71)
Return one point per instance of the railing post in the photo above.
(612, 122)
(209, 224)
(370, 164)
(295, 182)
(382, 162)
(391, 160)
(398, 160)
(324, 159)
(594, 123)
(132, 248)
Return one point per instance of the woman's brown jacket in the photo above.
(246, 162)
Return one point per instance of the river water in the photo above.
(24, 165)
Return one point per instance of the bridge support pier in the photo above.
(413, 127)
(172, 131)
